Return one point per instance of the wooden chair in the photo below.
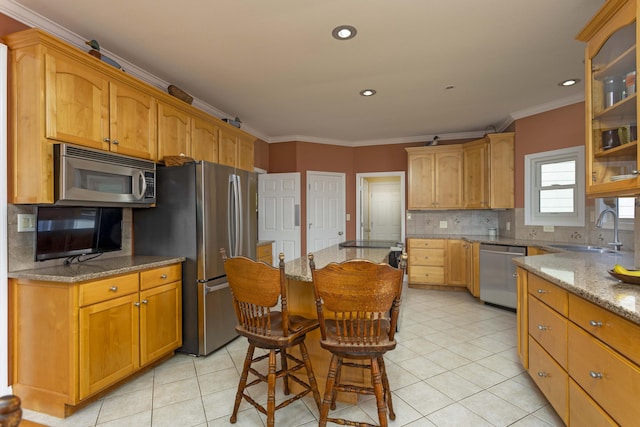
(257, 288)
(358, 302)
(10, 411)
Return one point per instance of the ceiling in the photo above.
(275, 65)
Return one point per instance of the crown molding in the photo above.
(559, 103)
(388, 141)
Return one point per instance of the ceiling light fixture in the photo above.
(367, 92)
(569, 82)
(344, 32)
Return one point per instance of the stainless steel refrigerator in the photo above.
(201, 207)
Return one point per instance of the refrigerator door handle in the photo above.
(234, 216)
(239, 216)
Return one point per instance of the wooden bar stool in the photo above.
(257, 288)
(10, 411)
(358, 302)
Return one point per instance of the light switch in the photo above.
(548, 228)
(348, 217)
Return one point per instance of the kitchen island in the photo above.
(301, 301)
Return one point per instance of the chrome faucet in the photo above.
(616, 241)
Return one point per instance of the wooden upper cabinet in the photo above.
(501, 170)
(476, 176)
(611, 144)
(235, 148)
(174, 131)
(204, 140)
(76, 102)
(435, 177)
(132, 129)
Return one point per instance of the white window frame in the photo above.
(531, 168)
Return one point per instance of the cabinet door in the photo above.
(204, 140)
(501, 171)
(160, 321)
(174, 129)
(77, 103)
(456, 260)
(476, 175)
(245, 152)
(227, 148)
(448, 180)
(109, 346)
(133, 122)
(420, 179)
(522, 318)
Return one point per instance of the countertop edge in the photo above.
(91, 270)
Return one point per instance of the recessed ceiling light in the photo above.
(344, 32)
(367, 92)
(569, 82)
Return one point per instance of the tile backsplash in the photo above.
(22, 245)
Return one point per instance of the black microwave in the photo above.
(88, 177)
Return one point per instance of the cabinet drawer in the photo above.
(426, 243)
(549, 329)
(552, 295)
(264, 251)
(426, 275)
(550, 378)
(103, 290)
(607, 326)
(610, 379)
(583, 411)
(160, 276)
(431, 257)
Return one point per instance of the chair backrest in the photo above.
(257, 288)
(358, 297)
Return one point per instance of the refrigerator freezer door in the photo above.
(215, 315)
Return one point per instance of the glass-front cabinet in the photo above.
(612, 153)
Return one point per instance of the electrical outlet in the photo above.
(408, 215)
(443, 224)
(26, 222)
(508, 226)
(548, 228)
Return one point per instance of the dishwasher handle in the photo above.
(487, 251)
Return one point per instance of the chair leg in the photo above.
(378, 391)
(334, 395)
(387, 389)
(285, 369)
(271, 390)
(312, 378)
(328, 391)
(243, 382)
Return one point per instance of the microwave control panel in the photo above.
(150, 192)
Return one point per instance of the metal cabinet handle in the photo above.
(116, 142)
(543, 328)
(543, 374)
(542, 291)
(137, 304)
(595, 375)
(595, 323)
(106, 140)
(164, 276)
(113, 288)
(144, 301)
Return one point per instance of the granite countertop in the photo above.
(298, 269)
(483, 238)
(94, 269)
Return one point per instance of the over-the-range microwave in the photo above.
(88, 177)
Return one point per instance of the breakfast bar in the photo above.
(301, 301)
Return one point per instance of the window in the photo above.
(554, 187)
(625, 208)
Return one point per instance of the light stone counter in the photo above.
(586, 275)
(95, 269)
(298, 269)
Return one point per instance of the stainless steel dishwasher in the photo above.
(498, 274)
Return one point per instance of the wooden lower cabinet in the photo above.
(443, 262)
(457, 253)
(71, 341)
(264, 252)
(583, 357)
(426, 261)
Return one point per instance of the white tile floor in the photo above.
(455, 365)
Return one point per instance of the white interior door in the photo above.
(325, 209)
(384, 211)
(279, 213)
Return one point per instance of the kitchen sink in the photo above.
(583, 248)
